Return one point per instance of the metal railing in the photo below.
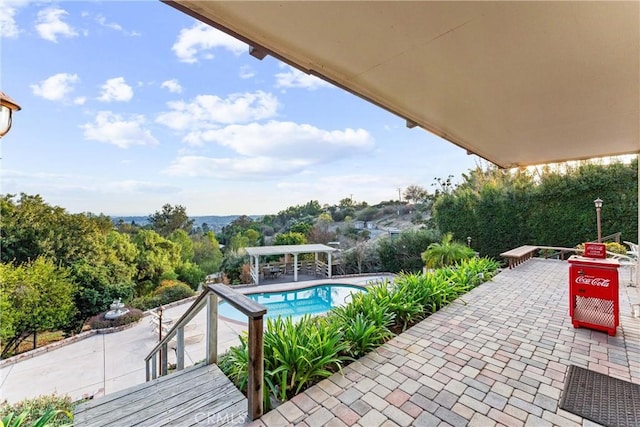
(209, 298)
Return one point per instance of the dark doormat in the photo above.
(601, 398)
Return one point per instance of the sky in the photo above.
(130, 105)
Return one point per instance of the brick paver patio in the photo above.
(499, 359)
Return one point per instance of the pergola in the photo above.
(255, 252)
(515, 82)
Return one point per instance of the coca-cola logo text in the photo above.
(593, 281)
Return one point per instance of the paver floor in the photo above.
(498, 358)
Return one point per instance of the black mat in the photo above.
(601, 398)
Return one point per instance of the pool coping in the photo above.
(297, 286)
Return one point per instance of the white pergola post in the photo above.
(295, 267)
(256, 267)
(329, 264)
(315, 264)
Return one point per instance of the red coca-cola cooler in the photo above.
(593, 292)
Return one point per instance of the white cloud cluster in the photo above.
(116, 89)
(293, 78)
(172, 86)
(114, 129)
(289, 140)
(50, 24)
(8, 10)
(200, 39)
(272, 149)
(56, 87)
(209, 111)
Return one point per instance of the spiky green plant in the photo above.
(446, 253)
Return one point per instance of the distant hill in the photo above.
(215, 222)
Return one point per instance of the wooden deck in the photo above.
(200, 395)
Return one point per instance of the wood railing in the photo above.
(209, 298)
(615, 237)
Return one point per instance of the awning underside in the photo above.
(517, 83)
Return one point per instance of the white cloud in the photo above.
(56, 87)
(293, 78)
(246, 72)
(233, 168)
(172, 86)
(113, 129)
(102, 20)
(289, 141)
(116, 89)
(208, 111)
(80, 100)
(272, 150)
(50, 25)
(200, 39)
(8, 10)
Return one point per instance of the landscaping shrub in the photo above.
(446, 252)
(361, 334)
(171, 290)
(614, 247)
(49, 410)
(99, 322)
(300, 353)
(146, 302)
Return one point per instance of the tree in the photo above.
(290, 238)
(416, 193)
(182, 239)
(207, 254)
(347, 202)
(446, 253)
(238, 225)
(170, 219)
(34, 296)
(157, 259)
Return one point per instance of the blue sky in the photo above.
(131, 105)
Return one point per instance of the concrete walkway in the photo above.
(499, 359)
(103, 363)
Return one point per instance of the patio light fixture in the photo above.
(7, 107)
(598, 203)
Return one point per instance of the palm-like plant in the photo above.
(446, 253)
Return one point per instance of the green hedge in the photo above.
(501, 210)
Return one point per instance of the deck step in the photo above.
(196, 395)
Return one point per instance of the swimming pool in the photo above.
(296, 303)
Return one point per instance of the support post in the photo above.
(212, 328)
(164, 360)
(295, 267)
(329, 265)
(180, 349)
(255, 386)
(154, 367)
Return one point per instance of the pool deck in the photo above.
(101, 364)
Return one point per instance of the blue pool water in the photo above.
(314, 300)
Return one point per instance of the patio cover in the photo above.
(516, 83)
(255, 252)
